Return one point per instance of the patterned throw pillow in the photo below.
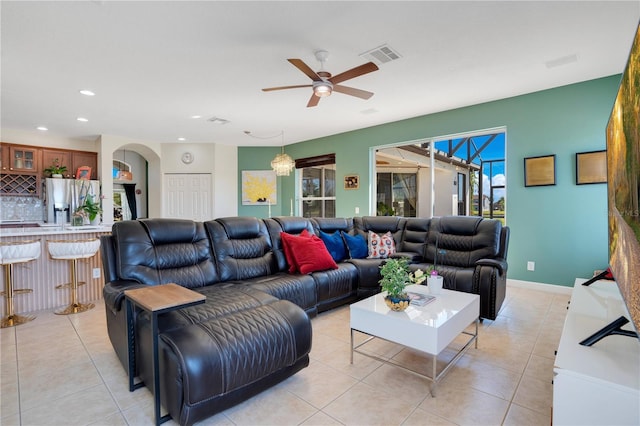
(381, 246)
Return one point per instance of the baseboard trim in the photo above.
(550, 288)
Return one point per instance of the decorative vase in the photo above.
(397, 303)
(56, 176)
(434, 283)
(77, 220)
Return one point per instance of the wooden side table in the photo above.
(156, 300)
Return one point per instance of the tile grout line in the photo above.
(102, 378)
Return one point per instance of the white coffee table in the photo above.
(430, 328)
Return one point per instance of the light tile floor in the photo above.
(61, 370)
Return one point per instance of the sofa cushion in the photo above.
(335, 245)
(309, 254)
(288, 251)
(381, 246)
(160, 251)
(356, 245)
(242, 248)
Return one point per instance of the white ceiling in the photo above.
(153, 65)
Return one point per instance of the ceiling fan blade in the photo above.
(313, 101)
(354, 72)
(269, 89)
(363, 94)
(298, 63)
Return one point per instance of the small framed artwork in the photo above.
(591, 167)
(540, 171)
(84, 173)
(351, 182)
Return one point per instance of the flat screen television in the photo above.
(623, 184)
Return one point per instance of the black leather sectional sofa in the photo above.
(254, 329)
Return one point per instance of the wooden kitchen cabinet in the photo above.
(71, 159)
(19, 170)
(20, 159)
(49, 156)
(82, 158)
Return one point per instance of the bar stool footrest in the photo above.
(70, 285)
(14, 320)
(75, 309)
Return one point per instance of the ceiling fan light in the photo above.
(322, 89)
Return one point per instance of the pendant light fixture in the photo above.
(282, 164)
(125, 174)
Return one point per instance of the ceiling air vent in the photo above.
(381, 54)
(218, 120)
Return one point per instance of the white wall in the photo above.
(225, 185)
(444, 192)
(48, 139)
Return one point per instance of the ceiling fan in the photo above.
(324, 84)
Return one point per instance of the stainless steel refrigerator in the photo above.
(63, 196)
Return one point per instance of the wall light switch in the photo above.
(96, 272)
(357, 210)
(531, 266)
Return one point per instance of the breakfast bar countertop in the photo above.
(46, 229)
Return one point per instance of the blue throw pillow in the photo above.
(335, 245)
(357, 245)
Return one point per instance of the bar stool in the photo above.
(73, 250)
(12, 252)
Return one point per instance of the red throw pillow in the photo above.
(286, 248)
(309, 254)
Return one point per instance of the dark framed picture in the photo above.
(591, 167)
(351, 182)
(540, 171)
(83, 173)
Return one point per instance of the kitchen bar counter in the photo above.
(22, 231)
(44, 274)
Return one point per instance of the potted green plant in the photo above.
(56, 169)
(396, 276)
(89, 208)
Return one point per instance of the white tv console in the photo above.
(600, 384)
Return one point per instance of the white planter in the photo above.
(434, 283)
(56, 175)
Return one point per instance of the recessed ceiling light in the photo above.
(196, 116)
(84, 120)
(87, 92)
(44, 129)
(182, 139)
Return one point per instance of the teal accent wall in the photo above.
(562, 228)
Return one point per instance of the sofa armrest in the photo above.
(113, 293)
(499, 264)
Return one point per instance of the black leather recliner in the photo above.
(470, 253)
(204, 370)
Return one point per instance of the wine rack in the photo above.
(11, 184)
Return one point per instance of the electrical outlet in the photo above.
(357, 210)
(96, 272)
(531, 266)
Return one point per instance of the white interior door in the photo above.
(188, 196)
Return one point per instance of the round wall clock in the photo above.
(187, 158)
